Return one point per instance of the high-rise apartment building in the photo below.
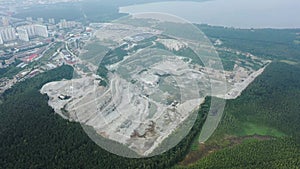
(1, 40)
(52, 21)
(41, 30)
(25, 32)
(23, 35)
(66, 24)
(8, 34)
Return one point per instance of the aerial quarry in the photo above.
(152, 76)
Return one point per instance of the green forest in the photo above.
(268, 107)
(274, 44)
(10, 71)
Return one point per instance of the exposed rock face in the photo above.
(151, 92)
(139, 115)
(172, 44)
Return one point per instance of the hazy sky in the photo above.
(237, 13)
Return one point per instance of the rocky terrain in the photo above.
(153, 86)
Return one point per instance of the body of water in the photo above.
(229, 13)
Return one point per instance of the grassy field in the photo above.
(49, 53)
(94, 52)
(252, 129)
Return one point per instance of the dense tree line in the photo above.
(280, 153)
(272, 101)
(268, 43)
(11, 70)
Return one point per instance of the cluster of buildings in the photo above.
(27, 31)
(27, 40)
(67, 57)
(23, 33)
(7, 34)
(63, 24)
(23, 41)
(30, 28)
